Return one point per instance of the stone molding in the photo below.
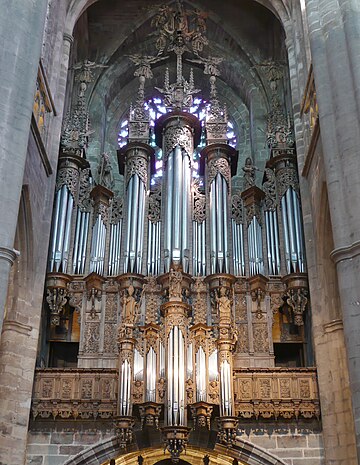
(346, 252)
(8, 254)
(21, 328)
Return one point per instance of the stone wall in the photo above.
(50, 444)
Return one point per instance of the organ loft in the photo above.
(179, 233)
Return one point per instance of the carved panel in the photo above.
(276, 393)
(242, 345)
(91, 338)
(261, 338)
(220, 166)
(74, 393)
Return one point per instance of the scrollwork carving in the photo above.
(237, 209)
(56, 298)
(137, 165)
(69, 177)
(178, 136)
(220, 166)
(155, 204)
(199, 210)
(287, 177)
(269, 187)
(297, 299)
(116, 210)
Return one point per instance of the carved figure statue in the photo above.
(249, 173)
(143, 64)
(105, 177)
(130, 307)
(175, 283)
(224, 306)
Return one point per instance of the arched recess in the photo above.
(21, 271)
(245, 452)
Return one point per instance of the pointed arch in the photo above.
(245, 452)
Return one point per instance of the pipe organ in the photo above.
(180, 279)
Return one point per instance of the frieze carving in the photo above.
(287, 177)
(111, 307)
(219, 166)
(269, 187)
(199, 210)
(200, 301)
(69, 177)
(137, 165)
(116, 210)
(110, 346)
(85, 187)
(74, 393)
(242, 345)
(178, 136)
(253, 211)
(91, 338)
(155, 204)
(261, 340)
(237, 209)
(152, 299)
(101, 210)
(276, 393)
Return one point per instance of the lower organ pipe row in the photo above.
(115, 248)
(59, 253)
(238, 248)
(80, 241)
(135, 225)
(219, 254)
(176, 378)
(199, 254)
(272, 238)
(293, 232)
(153, 259)
(255, 248)
(98, 241)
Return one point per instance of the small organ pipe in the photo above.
(168, 212)
(65, 252)
(219, 222)
(134, 221)
(225, 223)
(290, 219)
(286, 234)
(55, 229)
(128, 222)
(213, 251)
(185, 214)
(140, 228)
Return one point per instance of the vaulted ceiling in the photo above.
(244, 33)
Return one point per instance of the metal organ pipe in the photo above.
(169, 207)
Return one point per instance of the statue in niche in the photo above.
(105, 177)
(130, 307)
(224, 306)
(175, 283)
(249, 173)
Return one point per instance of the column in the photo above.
(21, 35)
(333, 31)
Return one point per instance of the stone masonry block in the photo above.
(62, 438)
(284, 442)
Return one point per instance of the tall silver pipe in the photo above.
(168, 210)
(225, 223)
(277, 247)
(76, 241)
(176, 375)
(140, 227)
(234, 247)
(55, 229)
(185, 213)
(250, 251)
(111, 249)
(272, 237)
(286, 234)
(178, 198)
(195, 262)
(242, 251)
(65, 255)
(267, 227)
(219, 221)
(298, 235)
(133, 230)
(61, 230)
(290, 218)
(260, 248)
(128, 223)
(203, 255)
(182, 368)
(170, 377)
(151, 244)
(84, 247)
(213, 250)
